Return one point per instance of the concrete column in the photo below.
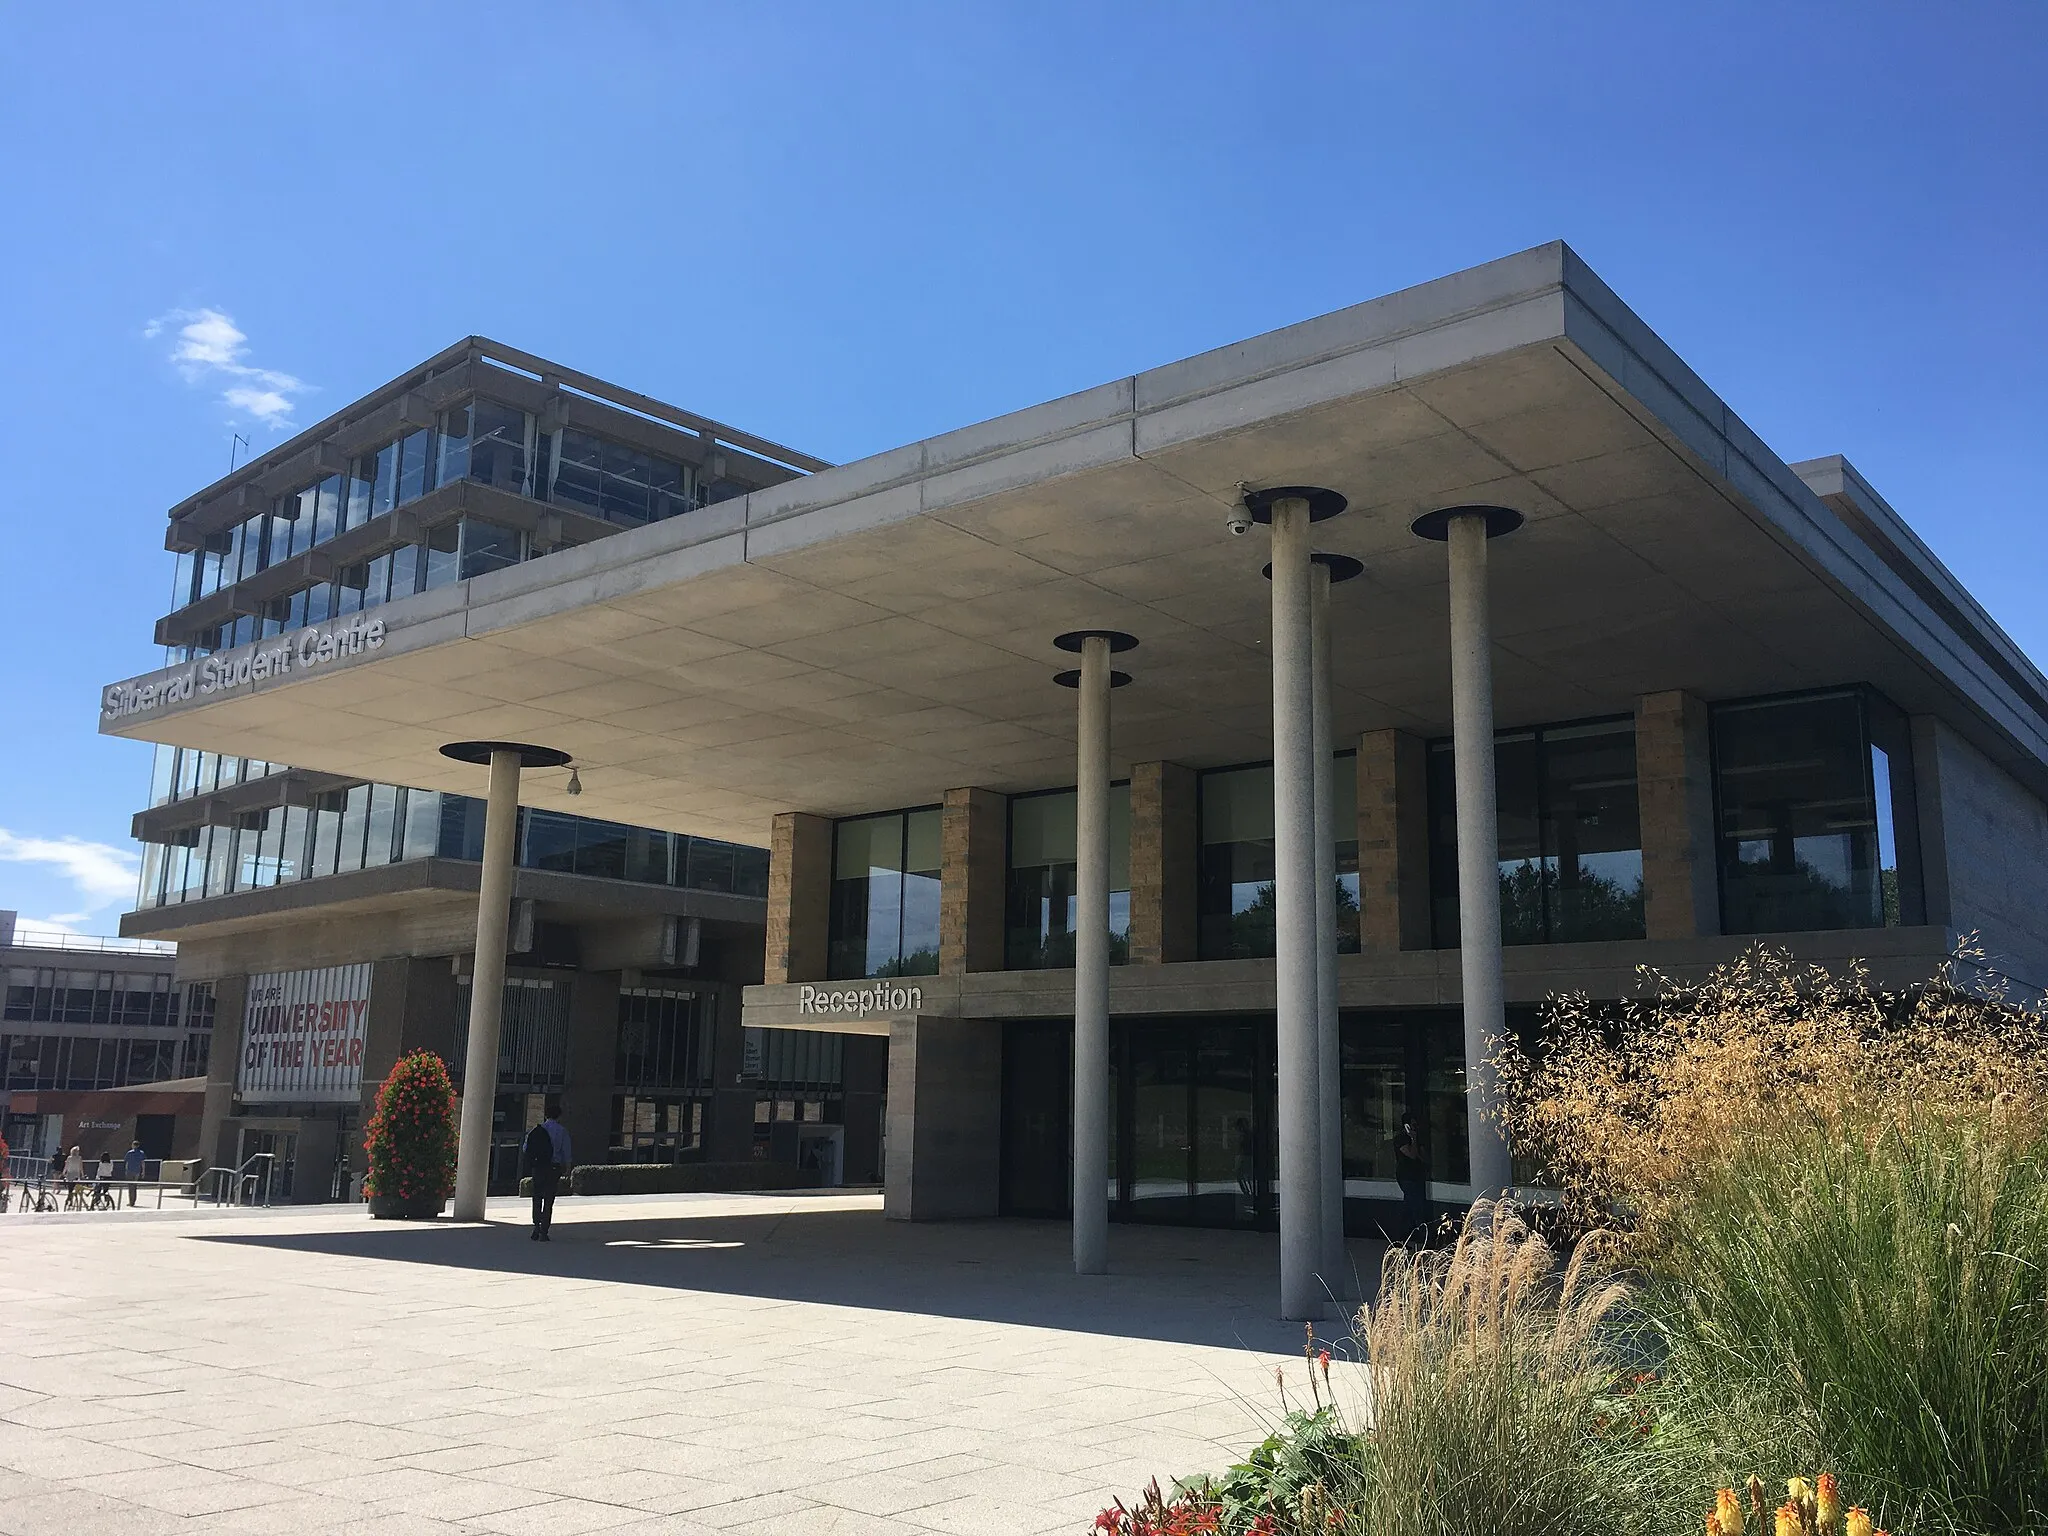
(487, 987)
(1164, 837)
(1675, 799)
(223, 1071)
(592, 1061)
(944, 1106)
(1479, 946)
(799, 898)
(973, 842)
(1393, 841)
(1329, 1053)
(1302, 1245)
(1091, 962)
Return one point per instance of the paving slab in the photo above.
(682, 1364)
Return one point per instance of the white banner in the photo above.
(303, 1034)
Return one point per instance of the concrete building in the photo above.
(1726, 696)
(82, 1017)
(333, 917)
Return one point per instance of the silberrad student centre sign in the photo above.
(279, 657)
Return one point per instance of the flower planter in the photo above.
(405, 1207)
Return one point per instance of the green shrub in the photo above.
(1873, 1303)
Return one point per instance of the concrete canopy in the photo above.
(872, 635)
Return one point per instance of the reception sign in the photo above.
(303, 1034)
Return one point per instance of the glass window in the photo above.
(438, 564)
(647, 856)
(291, 852)
(711, 865)
(422, 824)
(452, 446)
(378, 848)
(289, 533)
(378, 586)
(1038, 931)
(601, 849)
(669, 488)
(405, 571)
(1234, 876)
(627, 485)
(1817, 814)
(497, 447)
(548, 841)
(184, 572)
(319, 603)
(373, 485)
(163, 773)
(579, 471)
(488, 547)
(885, 896)
(355, 817)
(253, 537)
(326, 834)
(1571, 845)
(327, 500)
(462, 828)
(415, 459)
(349, 587)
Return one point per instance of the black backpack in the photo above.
(539, 1154)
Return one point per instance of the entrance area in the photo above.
(1194, 1141)
(283, 1147)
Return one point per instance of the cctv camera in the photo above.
(1239, 521)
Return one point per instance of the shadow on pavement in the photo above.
(1178, 1285)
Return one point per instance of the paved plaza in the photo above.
(682, 1364)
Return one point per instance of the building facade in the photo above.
(1711, 697)
(332, 917)
(81, 1018)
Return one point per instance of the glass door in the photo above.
(1226, 1188)
(1195, 1131)
(1159, 1186)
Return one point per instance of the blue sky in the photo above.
(850, 226)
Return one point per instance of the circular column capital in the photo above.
(1323, 504)
(1119, 642)
(1340, 567)
(481, 752)
(1437, 525)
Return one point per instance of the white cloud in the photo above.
(208, 347)
(102, 874)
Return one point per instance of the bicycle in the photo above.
(102, 1197)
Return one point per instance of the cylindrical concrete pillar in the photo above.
(1091, 962)
(1479, 946)
(1336, 1265)
(487, 988)
(1302, 1248)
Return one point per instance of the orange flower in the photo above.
(1858, 1523)
(1728, 1510)
(1787, 1523)
(1827, 1504)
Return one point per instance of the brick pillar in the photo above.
(799, 898)
(1163, 842)
(1393, 841)
(1675, 795)
(973, 843)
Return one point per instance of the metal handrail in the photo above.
(88, 945)
(232, 1186)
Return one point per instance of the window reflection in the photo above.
(1040, 904)
(1571, 860)
(885, 896)
(1817, 814)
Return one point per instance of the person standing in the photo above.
(1412, 1176)
(546, 1156)
(74, 1170)
(132, 1166)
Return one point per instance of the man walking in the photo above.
(131, 1165)
(546, 1156)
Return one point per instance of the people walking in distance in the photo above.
(132, 1166)
(547, 1159)
(74, 1175)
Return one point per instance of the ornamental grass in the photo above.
(410, 1141)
